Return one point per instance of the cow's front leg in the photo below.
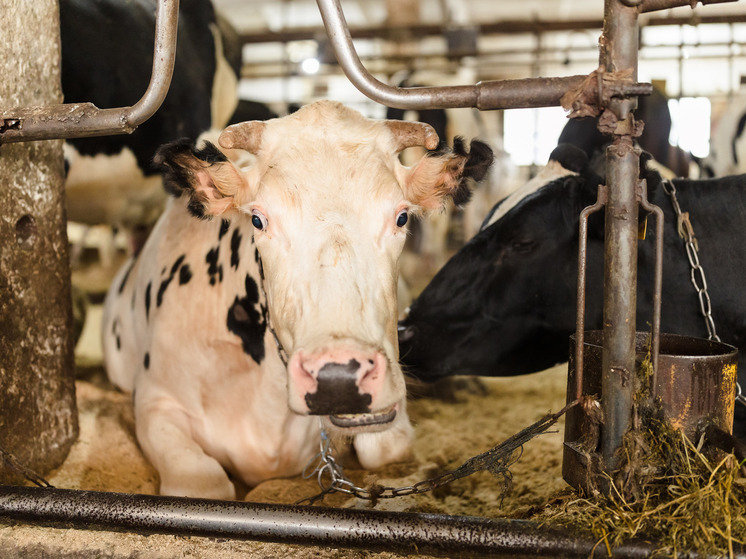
(164, 433)
(393, 445)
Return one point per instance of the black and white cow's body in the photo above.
(206, 282)
(323, 206)
(505, 303)
(728, 143)
(107, 53)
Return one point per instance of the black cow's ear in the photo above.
(203, 174)
(447, 172)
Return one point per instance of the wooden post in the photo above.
(38, 415)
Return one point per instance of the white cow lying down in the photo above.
(188, 329)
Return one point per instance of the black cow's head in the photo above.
(505, 303)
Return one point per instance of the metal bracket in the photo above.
(80, 120)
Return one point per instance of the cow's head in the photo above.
(329, 202)
(504, 304)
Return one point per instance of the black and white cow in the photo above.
(107, 53)
(728, 144)
(304, 246)
(505, 303)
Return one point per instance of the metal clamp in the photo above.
(81, 120)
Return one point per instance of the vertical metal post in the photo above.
(619, 47)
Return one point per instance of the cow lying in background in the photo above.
(305, 247)
(505, 303)
(107, 55)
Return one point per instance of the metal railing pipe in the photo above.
(80, 120)
(503, 94)
(366, 529)
(655, 5)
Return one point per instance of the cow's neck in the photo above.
(280, 349)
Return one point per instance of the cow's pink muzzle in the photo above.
(342, 383)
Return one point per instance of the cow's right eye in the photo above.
(258, 221)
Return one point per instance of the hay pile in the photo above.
(684, 497)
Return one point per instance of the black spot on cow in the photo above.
(126, 276)
(214, 270)
(235, 246)
(224, 226)
(248, 323)
(185, 274)
(165, 283)
(178, 263)
(147, 299)
(162, 290)
(146, 361)
(115, 333)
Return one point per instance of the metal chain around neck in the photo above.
(697, 273)
(497, 460)
(280, 349)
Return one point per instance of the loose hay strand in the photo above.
(691, 501)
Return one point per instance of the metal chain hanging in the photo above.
(497, 461)
(697, 273)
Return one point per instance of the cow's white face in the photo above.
(329, 201)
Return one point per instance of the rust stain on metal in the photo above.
(598, 88)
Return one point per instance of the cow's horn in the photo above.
(410, 134)
(244, 135)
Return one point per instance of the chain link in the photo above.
(497, 460)
(697, 273)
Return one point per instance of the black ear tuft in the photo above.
(175, 176)
(479, 159)
(178, 161)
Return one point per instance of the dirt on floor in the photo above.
(462, 418)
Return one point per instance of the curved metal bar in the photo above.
(79, 120)
(658, 272)
(504, 94)
(366, 529)
(601, 199)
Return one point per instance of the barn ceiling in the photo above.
(276, 15)
(485, 39)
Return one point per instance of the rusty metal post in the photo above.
(38, 416)
(619, 48)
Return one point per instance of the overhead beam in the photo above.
(504, 27)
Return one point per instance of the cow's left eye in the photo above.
(258, 220)
(402, 218)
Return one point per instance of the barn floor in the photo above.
(466, 417)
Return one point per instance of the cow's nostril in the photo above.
(338, 391)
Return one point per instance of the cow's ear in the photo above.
(204, 174)
(446, 172)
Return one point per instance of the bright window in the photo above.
(531, 134)
(690, 124)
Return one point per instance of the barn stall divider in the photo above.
(612, 89)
